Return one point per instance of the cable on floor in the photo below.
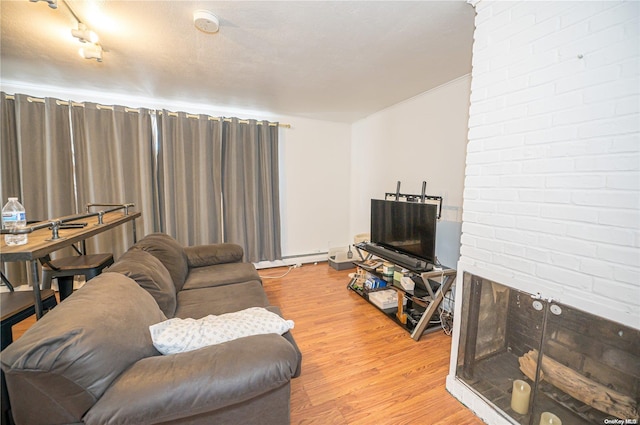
(282, 275)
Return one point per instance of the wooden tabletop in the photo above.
(40, 243)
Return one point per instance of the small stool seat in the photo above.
(64, 269)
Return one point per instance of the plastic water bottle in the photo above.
(14, 216)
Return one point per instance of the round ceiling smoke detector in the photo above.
(206, 21)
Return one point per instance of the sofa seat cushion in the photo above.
(220, 274)
(150, 274)
(169, 252)
(197, 303)
(68, 359)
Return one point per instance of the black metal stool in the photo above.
(65, 269)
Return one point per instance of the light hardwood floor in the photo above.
(359, 367)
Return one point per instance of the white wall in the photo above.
(421, 139)
(552, 188)
(315, 161)
(314, 166)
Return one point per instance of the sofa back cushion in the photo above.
(64, 363)
(150, 274)
(170, 253)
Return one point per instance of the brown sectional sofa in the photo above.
(91, 360)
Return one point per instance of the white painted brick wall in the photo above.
(552, 188)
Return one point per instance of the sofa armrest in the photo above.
(289, 337)
(166, 388)
(209, 255)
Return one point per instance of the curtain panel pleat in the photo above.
(10, 184)
(113, 155)
(250, 188)
(40, 152)
(9, 152)
(46, 160)
(189, 178)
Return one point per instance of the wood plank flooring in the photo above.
(359, 367)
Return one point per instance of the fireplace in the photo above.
(588, 371)
(550, 207)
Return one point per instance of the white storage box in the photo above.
(386, 299)
(340, 260)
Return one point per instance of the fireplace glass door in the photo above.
(541, 362)
(590, 369)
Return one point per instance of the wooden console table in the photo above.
(41, 244)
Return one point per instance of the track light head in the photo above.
(84, 34)
(91, 51)
(52, 3)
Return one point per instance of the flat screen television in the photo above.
(405, 227)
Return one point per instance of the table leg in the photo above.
(35, 269)
(400, 314)
(135, 235)
(65, 286)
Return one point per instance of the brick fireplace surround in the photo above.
(552, 186)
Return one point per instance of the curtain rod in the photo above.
(243, 121)
(127, 109)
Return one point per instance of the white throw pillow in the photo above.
(181, 335)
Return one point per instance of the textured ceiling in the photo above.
(337, 60)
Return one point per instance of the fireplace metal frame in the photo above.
(556, 332)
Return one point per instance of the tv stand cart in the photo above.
(421, 303)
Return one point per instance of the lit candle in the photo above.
(520, 397)
(548, 418)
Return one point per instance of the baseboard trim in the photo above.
(292, 260)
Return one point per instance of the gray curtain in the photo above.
(114, 164)
(10, 184)
(9, 153)
(189, 177)
(37, 162)
(250, 188)
(46, 161)
(199, 179)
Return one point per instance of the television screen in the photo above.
(406, 227)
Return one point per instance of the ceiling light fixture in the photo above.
(206, 21)
(52, 3)
(91, 51)
(84, 34)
